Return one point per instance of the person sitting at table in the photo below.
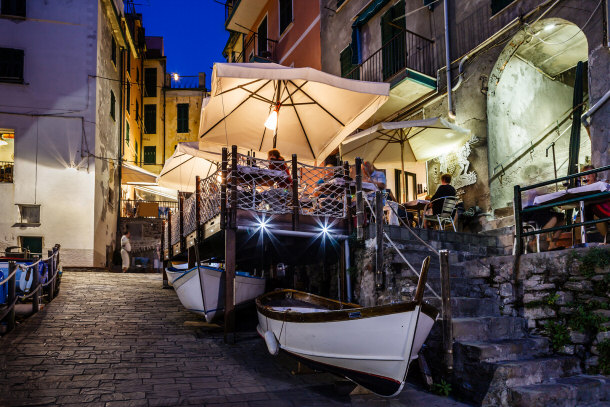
(279, 164)
(543, 218)
(444, 190)
(376, 177)
(597, 210)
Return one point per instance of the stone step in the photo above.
(465, 307)
(570, 391)
(491, 328)
(496, 351)
(460, 286)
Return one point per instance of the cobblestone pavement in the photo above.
(121, 340)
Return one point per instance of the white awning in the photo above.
(316, 110)
(185, 164)
(130, 174)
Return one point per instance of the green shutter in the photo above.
(150, 155)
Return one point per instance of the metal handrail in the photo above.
(517, 155)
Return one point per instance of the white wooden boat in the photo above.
(201, 289)
(372, 346)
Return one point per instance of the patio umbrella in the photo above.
(185, 164)
(258, 106)
(418, 140)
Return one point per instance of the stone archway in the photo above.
(529, 105)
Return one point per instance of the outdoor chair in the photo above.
(528, 226)
(447, 213)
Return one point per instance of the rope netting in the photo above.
(262, 185)
(209, 204)
(166, 236)
(322, 191)
(190, 218)
(175, 226)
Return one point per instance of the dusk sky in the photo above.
(193, 32)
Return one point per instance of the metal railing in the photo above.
(135, 208)
(405, 50)
(6, 171)
(44, 277)
(254, 51)
(590, 197)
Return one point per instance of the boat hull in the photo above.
(373, 349)
(210, 303)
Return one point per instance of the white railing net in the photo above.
(322, 191)
(262, 185)
(175, 226)
(209, 204)
(190, 218)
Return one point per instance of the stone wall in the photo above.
(564, 295)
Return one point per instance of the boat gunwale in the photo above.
(334, 314)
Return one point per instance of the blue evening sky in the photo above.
(193, 32)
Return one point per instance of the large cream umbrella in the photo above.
(185, 164)
(258, 106)
(417, 141)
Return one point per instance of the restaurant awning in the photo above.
(131, 174)
(185, 164)
(315, 110)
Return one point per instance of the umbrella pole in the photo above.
(402, 174)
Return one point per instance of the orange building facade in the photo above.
(281, 31)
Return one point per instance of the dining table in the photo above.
(599, 189)
(416, 206)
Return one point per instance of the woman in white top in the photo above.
(125, 249)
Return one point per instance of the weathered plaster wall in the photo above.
(58, 60)
(106, 144)
(173, 97)
(156, 139)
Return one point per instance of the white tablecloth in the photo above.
(600, 186)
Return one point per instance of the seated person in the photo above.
(596, 210)
(376, 177)
(443, 190)
(279, 164)
(543, 218)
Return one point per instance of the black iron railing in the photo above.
(569, 200)
(405, 50)
(257, 49)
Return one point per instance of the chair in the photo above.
(528, 226)
(446, 215)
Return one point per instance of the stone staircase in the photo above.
(496, 361)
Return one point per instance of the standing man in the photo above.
(125, 249)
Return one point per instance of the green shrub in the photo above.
(558, 334)
(594, 257)
(586, 321)
(604, 356)
(442, 389)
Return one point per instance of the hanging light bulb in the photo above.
(271, 122)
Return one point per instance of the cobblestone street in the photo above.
(120, 340)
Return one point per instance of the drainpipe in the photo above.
(164, 121)
(460, 73)
(586, 118)
(141, 112)
(451, 112)
(120, 156)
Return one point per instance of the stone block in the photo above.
(580, 286)
(535, 296)
(602, 270)
(506, 290)
(567, 350)
(602, 336)
(592, 361)
(603, 312)
(578, 337)
(539, 313)
(564, 297)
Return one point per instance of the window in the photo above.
(497, 5)
(137, 111)
(347, 65)
(128, 56)
(150, 119)
(262, 37)
(150, 82)
(285, 14)
(127, 132)
(183, 118)
(113, 51)
(128, 98)
(150, 155)
(13, 8)
(29, 214)
(7, 155)
(11, 65)
(137, 75)
(112, 105)
(32, 243)
(137, 152)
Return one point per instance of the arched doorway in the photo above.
(529, 106)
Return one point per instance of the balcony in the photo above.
(257, 49)
(408, 61)
(240, 15)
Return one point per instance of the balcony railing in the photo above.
(405, 50)
(6, 171)
(147, 209)
(257, 49)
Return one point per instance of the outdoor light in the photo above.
(262, 223)
(271, 122)
(325, 230)
(176, 76)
